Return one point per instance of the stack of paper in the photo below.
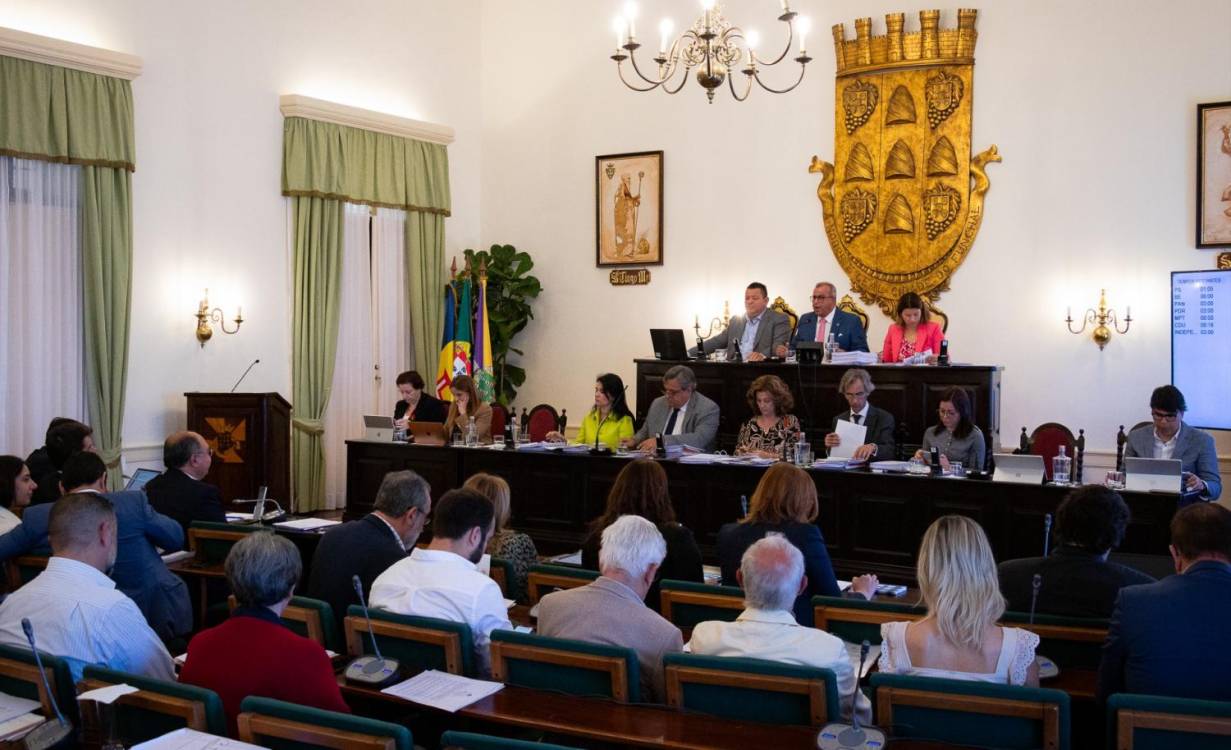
(447, 692)
(191, 739)
(853, 358)
(850, 435)
(306, 524)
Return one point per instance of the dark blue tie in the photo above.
(671, 421)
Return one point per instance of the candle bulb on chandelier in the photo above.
(630, 14)
(786, 6)
(665, 27)
(617, 25)
(707, 6)
(752, 39)
(805, 25)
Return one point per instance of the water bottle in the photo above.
(802, 449)
(1061, 465)
(831, 343)
(472, 434)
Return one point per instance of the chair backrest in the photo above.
(686, 603)
(500, 417)
(780, 305)
(565, 665)
(751, 689)
(278, 724)
(1121, 439)
(1071, 642)
(1151, 722)
(1046, 440)
(419, 643)
(849, 305)
(311, 618)
(963, 712)
(471, 741)
(543, 419)
(938, 316)
(501, 572)
(544, 579)
(857, 620)
(156, 708)
(211, 541)
(19, 677)
(19, 571)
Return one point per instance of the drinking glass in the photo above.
(1114, 480)
(956, 469)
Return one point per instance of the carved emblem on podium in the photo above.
(226, 439)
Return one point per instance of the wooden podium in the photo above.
(250, 434)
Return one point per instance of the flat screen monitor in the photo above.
(1201, 345)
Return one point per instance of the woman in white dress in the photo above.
(959, 639)
(16, 489)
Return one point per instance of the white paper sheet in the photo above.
(307, 524)
(107, 694)
(447, 692)
(852, 436)
(191, 739)
(11, 706)
(19, 726)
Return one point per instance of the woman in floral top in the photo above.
(772, 433)
(506, 544)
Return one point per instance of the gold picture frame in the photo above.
(1214, 174)
(628, 209)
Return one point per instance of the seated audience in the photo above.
(825, 319)
(912, 333)
(253, 652)
(681, 415)
(611, 610)
(367, 546)
(610, 422)
(443, 581)
(16, 489)
(640, 489)
(755, 335)
(1077, 578)
(505, 543)
(955, 436)
(181, 491)
(785, 502)
(1170, 637)
(466, 404)
(416, 404)
(138, 571)
(772, 575)
(1171, 437)
(774, 431)
(65, 437)
(959, 639)
(878, 442)
(75, 609)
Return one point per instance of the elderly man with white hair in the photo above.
(772, 574)
(612, 610)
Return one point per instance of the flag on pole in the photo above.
(484, 379)
(462, 339)
(444, 373)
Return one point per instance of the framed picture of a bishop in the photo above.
(1214, 175)
(628, 210)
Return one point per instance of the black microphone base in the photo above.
(372, 671)
(601, 452)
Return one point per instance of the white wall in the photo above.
(1092, 105)
(207, 204)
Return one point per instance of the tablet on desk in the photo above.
(1152, 475)
(1018, 468)
(428, 433)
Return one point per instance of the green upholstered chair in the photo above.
(856, 620)
(157, 707)
(286, 726)
(502, 573)
(565, 665)
(543, 579)
(470, 741)
(752, 689)
(211, 541)
(19, 677)
(1071, 642)
(419, 643)
(686, 603)
(1151, 722)
(971, 713)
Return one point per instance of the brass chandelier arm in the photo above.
(790, 38)
(749, 73)
(656, 82)
(620, 70)
(770, 89)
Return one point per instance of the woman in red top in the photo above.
(912, 333)
(253, 653)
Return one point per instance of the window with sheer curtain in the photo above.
(41, 343)
(373, 333)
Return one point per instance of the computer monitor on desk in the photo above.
(669, 344)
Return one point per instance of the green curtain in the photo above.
(317, 285)
(425, 278)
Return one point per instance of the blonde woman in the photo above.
(959, 639)
(505, 543)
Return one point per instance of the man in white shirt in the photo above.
(772, 575)
(443, 580)
(75, 609)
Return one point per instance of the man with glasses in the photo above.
(1170, 438)
(825, 319)
(681, 415)
(855, 387)
(181, 491)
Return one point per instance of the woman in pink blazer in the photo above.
(913, 333)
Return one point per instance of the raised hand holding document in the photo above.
(851, 435)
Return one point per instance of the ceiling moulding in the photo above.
(295, 105)
(44, 49)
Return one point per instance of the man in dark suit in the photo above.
(369, 545)
(681, 415)
(1170, 437)
(878, 442)
(757, 334)
(1170, 638)
(847, 329)
(1077, 578)
(181, 492)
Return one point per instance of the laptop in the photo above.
(1018, 468)
(1152, 475)
(139, 478)
(428, 433)
(378, 428)
(669, 343)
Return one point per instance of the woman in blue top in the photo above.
(610, 421)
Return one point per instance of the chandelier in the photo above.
(712, 46)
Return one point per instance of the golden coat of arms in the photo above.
(903, 199)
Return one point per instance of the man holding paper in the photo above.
(864, 432)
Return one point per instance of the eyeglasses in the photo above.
(1163, 414)
(672, 391)
(822, 296)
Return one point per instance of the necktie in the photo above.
(855, 417)
(820, 329)
(671, 421)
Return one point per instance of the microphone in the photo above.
(596, 450)
(1036, 583)
(241, 377)
(45, 735)
(1047, 667)
(373, 671)
(1046, 533)
(743, 506)
(842, 736)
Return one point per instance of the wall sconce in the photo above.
(204, 315)
(1101, 319)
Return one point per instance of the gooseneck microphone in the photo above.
(1047, 667)
(255, 362)
(1036, 583)
(842, 736)
(374, 671)
(46, 735)
(1046, 533)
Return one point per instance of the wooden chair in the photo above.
(780, 305)
(273, 723)
(1046, 440)
(685, 603)
(19, 571)
(542, 420)
(1151, 722)
(849, 305)
(469, 741)
(978, 714)
(311, 618)
(1068, 641)
(1122, 440)
(940, 315)
(857, 620)
(156, 708)
(212, 541)
(564, 665)
(19, 677)
(500, 417)
(751, 689)
(501, 572)
(419, 643)
(543, 579)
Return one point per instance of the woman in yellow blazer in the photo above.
(609, 421)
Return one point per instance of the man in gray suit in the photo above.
(756, 335)
(681, 415)
(1171, 438)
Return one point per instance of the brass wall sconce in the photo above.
(205, 315)
(1104, 321)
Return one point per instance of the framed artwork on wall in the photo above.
(1214, 174)
(628, 209)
